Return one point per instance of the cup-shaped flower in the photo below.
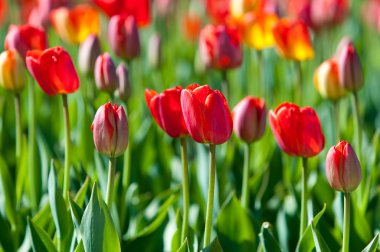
(167, 111)
(154, 51)
(326, 80)
(123, 36)
(249, 119)
(139, 9)
(23, 38)
(105, 73)
(124, 88)
(206, 113)
(293, 40)
(12, 71)
(327, 13)
(53, 70)
(89, 51)
(218, 10)
(220, 47)
(350, 68)
(257, 29)
(110, 130)
(343, 169)
(74, 25)
(297, 130)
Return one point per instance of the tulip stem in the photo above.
(185, 189)
(18, 128)
(66, 177)
(298, 90)
(346, 223)
(210, 198)
(245, 188)
(225, 85)
(303, 197)
(260, 70)
(33, 171)
(336, 121)
(110, 181)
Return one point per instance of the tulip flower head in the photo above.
(89, 50)
(124, 88)
(293, 40)
(110, 130)
(12, 71)
(297, 130)
(74, 25)
(327, 13)
(191, 26)
(53, 70)
(105, 73)
(220, 47)
(343, 169)
(371, 13)
(218, 10)
(24, 38)
(249, 119)
(167, 111)
(326, 80)
(123, 36)
(206, 113)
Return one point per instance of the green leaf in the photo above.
(81, 194)
(6, 239)
(320, 244)
(235, 228)
(97, 228)
(22, 171)
(306, 244)
(43, 216)
(80, 247)
(8, 192)
(373, 245)
(58, 208)
(76, 213)
(41, 241)
(214, 246)
(268, 241)
(184, 247)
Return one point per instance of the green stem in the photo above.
(346, 222)
(225, 85)
(303, 197)
(298, 90)
(245, 188)
(260, 70)
(185, 190)
(210, 198)
(33, 170)
(110, 181)
(66, 177)
(336, 121)
(18, 128)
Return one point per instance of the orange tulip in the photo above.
(293, 39)
(12, 71)
(74, 25)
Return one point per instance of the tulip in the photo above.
(110, 132)
(293, 40)
(12, 71)
(154, 51)
(191, 26)
(326, 80)
(343, 172)
(238, 8)
(327, 13)
(370, 13)
(218, 10)
(105, 73)
(123, 36)
(89, 50)
(124, 87)
(39, 14)
(3, 10)
(24, 38)
(139, 9)
(74, 25)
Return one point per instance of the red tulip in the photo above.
(326, 13)
(249, 119)
(123, 36)
(343, 169)
(110, 130)
(3, 10)
(218, 10)
(54, 70)
(206, 113)
(139, 9)
(105, 73)
(371, 13)
(24, 38)
(166, 110)
(297, 130)
(39, 13)
(220, 47)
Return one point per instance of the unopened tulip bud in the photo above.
(89, 50)
(350, 69)
(110, 130)
(154, 51)
(124, 89)
(12, 71)
(105, 73)
(326, 80)
(249, 119)
(343, 169)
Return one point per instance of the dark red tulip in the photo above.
(23, 38)
(206, 113)
(297, 130)
(53, 70)
(220, 47)
(166, 110)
